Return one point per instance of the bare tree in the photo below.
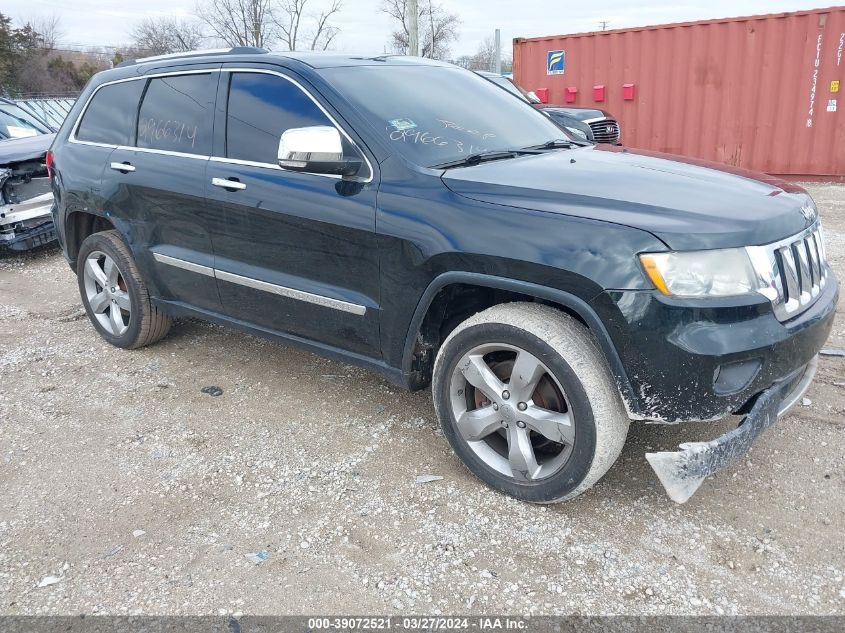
(263, 23)
(49, 30)
(324, 33)
(240, 22)
(287, 18)
(291, 19)
(159, 36)
(437, 27)
(485, 58)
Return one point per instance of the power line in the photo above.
(89, 49)
(79, 45)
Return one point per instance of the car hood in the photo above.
(17, 150)
(582, 114)
(687, 203)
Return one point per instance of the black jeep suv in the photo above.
(378, 211)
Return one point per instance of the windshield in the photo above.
(434, 114)
(15, 123)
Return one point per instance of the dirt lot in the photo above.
(294, 491)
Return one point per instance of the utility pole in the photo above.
(413, 28)
(604, 24)
(498, 57)
(431, 17)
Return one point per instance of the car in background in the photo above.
(587, 124)
(26, 199)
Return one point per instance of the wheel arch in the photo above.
(417, 370)
(78, 226)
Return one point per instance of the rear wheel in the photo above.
(526, 400)
(114, 294)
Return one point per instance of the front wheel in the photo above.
(528, 403)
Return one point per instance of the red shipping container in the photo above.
(757, 92)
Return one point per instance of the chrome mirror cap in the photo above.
(306, 148)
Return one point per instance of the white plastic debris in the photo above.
(833, 351)
(138, 533)
(257, 557)
(806, 402)
(424, 479)
(114, 550)
(49, 580)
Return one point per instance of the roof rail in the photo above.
(236, 50)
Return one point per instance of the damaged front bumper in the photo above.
(683, 472)
(26, 197)
(28, 224)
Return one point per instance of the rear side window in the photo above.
(110, 117)
(261, 107)
(177, 114)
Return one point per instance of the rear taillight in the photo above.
(49, 162)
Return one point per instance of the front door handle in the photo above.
(123, 167)
(232, 185)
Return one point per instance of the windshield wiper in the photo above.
(480, 157)
(556, 143)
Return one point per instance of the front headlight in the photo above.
(719, 273)
(579, 133)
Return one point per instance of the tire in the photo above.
(115, 297)
(585, 416)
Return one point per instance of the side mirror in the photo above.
(532, 97)
(315, 150)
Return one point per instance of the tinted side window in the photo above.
(110, 117)
(177, 114)
(261, 107)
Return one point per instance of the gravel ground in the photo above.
(131, 491)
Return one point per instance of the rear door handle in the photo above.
(233, 185)
(124, 167)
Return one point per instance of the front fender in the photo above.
(566, 299)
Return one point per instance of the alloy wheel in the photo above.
(512, 412)
(106, 292)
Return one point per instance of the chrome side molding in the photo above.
(183, 264)
(257, 284)
(291, 293)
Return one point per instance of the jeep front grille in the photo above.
(604, 130)
(792, 272)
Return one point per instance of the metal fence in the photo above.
(51, 110)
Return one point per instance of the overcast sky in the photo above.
(365, 29)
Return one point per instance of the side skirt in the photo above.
(178, 309)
